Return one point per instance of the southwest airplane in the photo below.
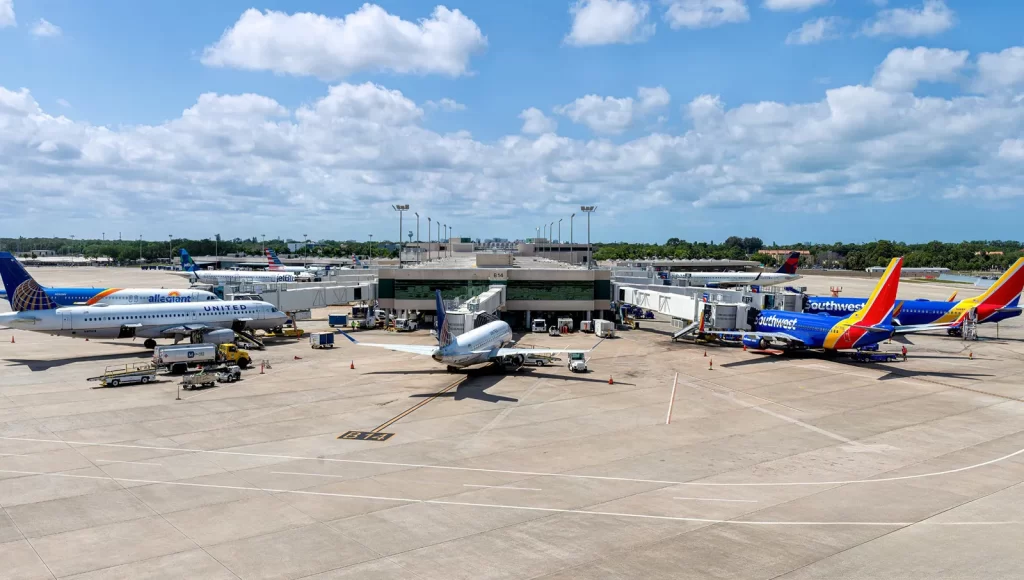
(999, 302)
(212, 321)
(215, 277)
(785, 273)
(91, 296)
(868, 325)
(478, 346)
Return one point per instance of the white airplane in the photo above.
(274, 264)
(786, 273)
(215, 277)
(478, 346)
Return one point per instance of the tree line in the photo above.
(961, 256)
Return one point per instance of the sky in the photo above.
(790, 120)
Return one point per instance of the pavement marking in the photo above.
(132, 462)
(525, 473)
(502, 487)
(304, 473)
(13, 455)
(716, 499)
(408, 411)
(855, 446)
(466, 442)
(516, 507)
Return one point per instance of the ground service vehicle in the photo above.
(539, 325)
(553, 331)
(604, 328)
(565, 324)
(180, 358)
(337, 320)
(540, 361)
(117, 375)
(321, 340)
(405, 325)
(577, 362)
(586, 326)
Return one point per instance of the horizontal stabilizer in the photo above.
(912, 328)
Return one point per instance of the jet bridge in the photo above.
(478, 310)
(722, 309)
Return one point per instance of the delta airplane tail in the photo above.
(789, 266)
(23, 292)
(444, 337)
(1006, 288)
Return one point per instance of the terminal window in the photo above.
(424, 289)
(556, 290)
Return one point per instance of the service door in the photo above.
(65, 320)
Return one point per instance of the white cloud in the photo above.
(7, 14)
(45, 28)
(64, 103)
(705, 13)
(535, 122)
(903, 68)
(931, 18)
(369, 39)
(365, 145)
(445, 104)
(796, 5)
(815, 31)
(1001, 70)
(611, 115)
(597, 22)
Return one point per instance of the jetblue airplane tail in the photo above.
(1007, 287)
(789, 266)
(23, 292)
(187, 263)
(879, 308)
(444, 337)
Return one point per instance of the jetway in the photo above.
(478, 310)
(723, 309)
(303, 297)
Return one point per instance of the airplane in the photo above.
(215, 277)
(999, 302)
(276, 265)
(91, 296)
(211, 321)
(785, 273)
(868, 325)
(478, 346)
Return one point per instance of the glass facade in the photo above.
(553, 290)
(424, 289)
(516, 289)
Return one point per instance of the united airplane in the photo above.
(88, 296)
(868, 325)
(215, 277)
(785, 273)
(999, 302)
(478, 346)
(209, 321)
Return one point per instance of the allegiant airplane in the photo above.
(868, 325)
(24, 293)
(999, 302)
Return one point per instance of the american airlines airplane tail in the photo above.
(23, 292)
(274, 262)
(789, 266)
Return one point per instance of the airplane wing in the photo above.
(912, 328)
(183, 329)
(424, 349)
(501, 352)
(773, 335)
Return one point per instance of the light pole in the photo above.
(140, 247)
(305, 249)
(216, 245)
(559, 231)
(438, 240)
(419, 250)
(400, 209)
(589, 209)
(572, 248)
(428, 239)
(545, 231)
(447, 239)
(264, 244)
(371, 246)
(170, 254)
(551, 230)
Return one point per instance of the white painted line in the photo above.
(502, 487)
(518, 507)
(132, 462)
(524, 473)
(13, 455)
(716, 499)
(672, 400)
(304, 473)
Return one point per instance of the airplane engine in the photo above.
(755, 342)
(514, 362)
(221, 336)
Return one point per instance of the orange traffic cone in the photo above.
(261, 369)
(705, 354)
(970, 354)
(610, 381)
(744, 348)
(711, 364)
(352, 365)
(298, 358)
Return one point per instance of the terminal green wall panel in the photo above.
(424, 289)
(386, 288)
(602, 289)
(549, 290)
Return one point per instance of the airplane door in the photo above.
(65, 320)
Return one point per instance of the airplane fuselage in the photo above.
(126, 296)
(474, 347)
(216, 277)
(914, 312)
(816, 331)
(145, 321)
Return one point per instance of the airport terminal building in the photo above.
(534, 287)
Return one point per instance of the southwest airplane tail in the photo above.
(876, 314)
(790, 265)
(23, 292)
(1006, 288)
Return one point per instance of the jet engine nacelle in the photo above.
(514, 362)
(755, 342)
(221, 336)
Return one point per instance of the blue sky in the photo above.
(883, 120)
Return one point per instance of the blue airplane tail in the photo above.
(444, 337)
(789, 266)
(273, 257)
(187, 263)
(23, 292)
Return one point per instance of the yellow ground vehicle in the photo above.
(180, 358)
